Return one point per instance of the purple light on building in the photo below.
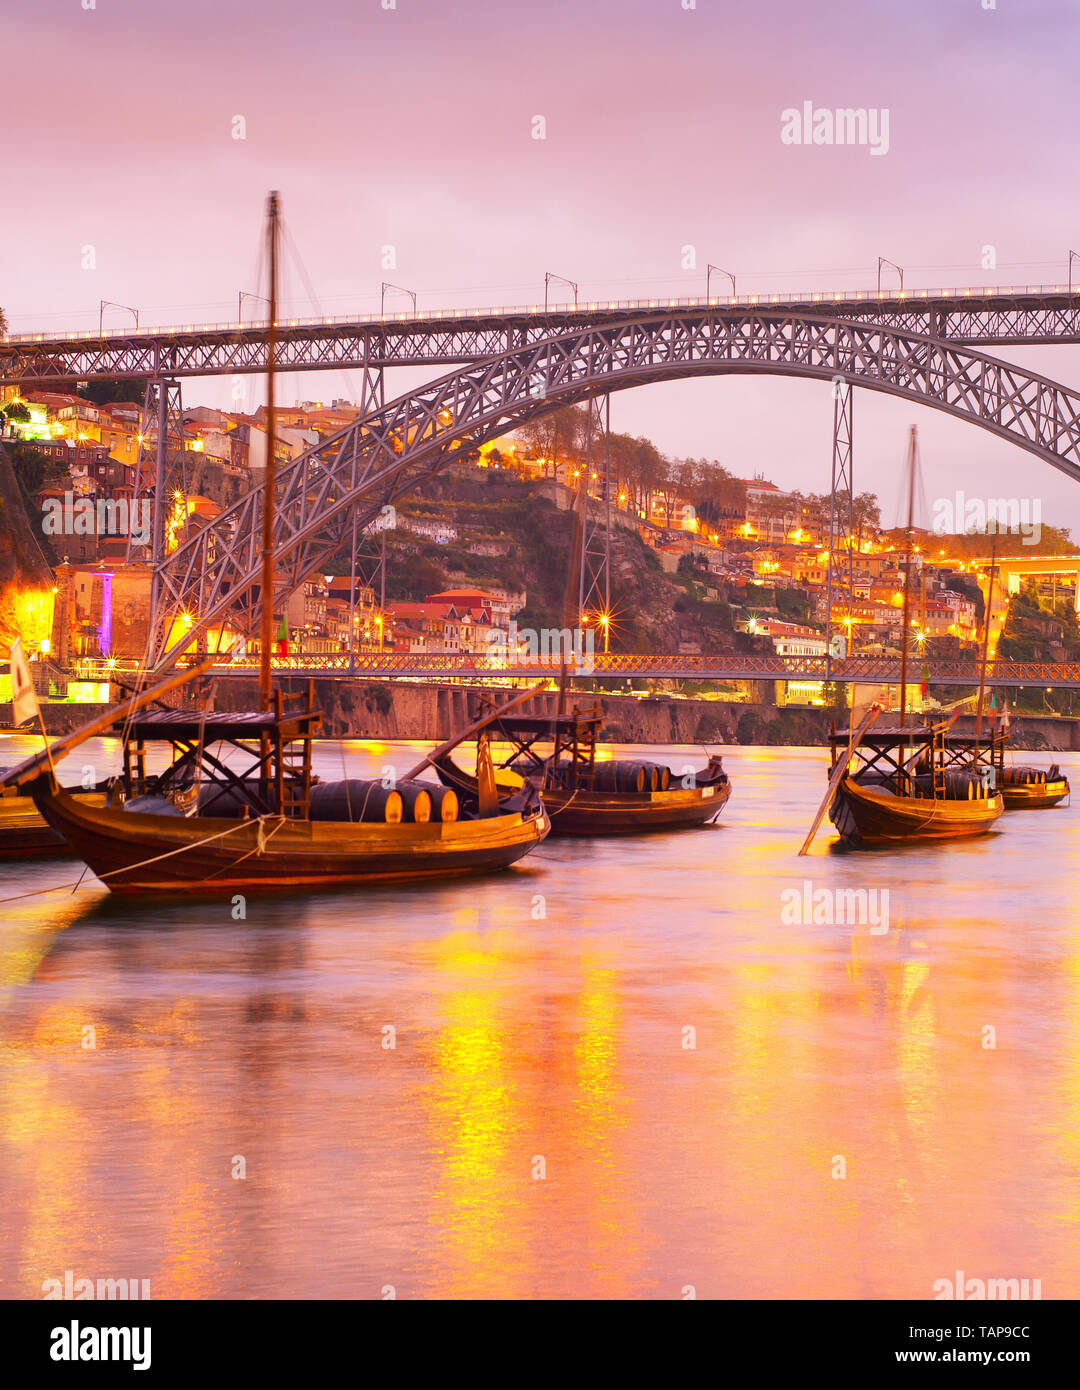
(105, 630)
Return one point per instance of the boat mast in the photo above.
(905, 637)
(266, 594)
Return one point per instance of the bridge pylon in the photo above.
(367, 550)
(159, 472)
(594, 562)
(841, 513)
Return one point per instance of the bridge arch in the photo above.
(382, 456)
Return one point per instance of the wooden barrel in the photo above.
(632, 777)
(361, 799)
(415, 802)
(444, 804)
(620, 777)
(605, 777)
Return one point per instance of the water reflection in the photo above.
(838, 1125)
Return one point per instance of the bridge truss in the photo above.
(859, 670)
(973, 317)
(380, 457)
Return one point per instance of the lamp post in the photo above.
(110, 304)
(548, 277)
(386, 285)
(708, 278)
(882, 261)
(246, 294)
(1073, 256)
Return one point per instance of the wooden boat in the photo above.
(204, 825)
(1032, 788)
(896, 786)
(24, 832)
(1022, 787)
(207, 824)
(902, 785)
(586, 797)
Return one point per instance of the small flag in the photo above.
(281, 647)
(24, 703)
(923, 683)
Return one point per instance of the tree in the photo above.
(17, 413)
(558, 434)
(107, 392)
(3, 323)
(647, 470)
(668, 487)
(867, 513)
(721, 497)
(620, 464)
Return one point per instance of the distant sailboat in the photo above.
(894, 785)
(586, 797)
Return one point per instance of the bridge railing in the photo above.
(592, 306)
(869, 670)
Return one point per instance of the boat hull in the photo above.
(869, 816)
(25, 834)
(134, 852)
(1035, 797)
(593, 813)
(583, 812)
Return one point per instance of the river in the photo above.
(621, 1069)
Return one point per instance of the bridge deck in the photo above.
(628, 665)
(970, 314)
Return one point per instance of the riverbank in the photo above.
(408, 710)
(414, 710)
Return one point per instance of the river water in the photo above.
(621, 1069)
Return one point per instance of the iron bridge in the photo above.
(858, 670)
(978, 316)
(355, 476)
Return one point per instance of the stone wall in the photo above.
(431, 713)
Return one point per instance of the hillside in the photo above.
(513, 536)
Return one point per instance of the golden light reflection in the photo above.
(508, 1089)
(472, 1104)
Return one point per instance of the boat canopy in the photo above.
(219, 726)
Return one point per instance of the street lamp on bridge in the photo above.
(548, 277)
(708, 278)
(247, 294)
(1073, 256)
(881, 260)
(386, 285)
(110, 304)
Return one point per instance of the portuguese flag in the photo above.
(281, 642)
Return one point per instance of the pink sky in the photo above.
(412, 127)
